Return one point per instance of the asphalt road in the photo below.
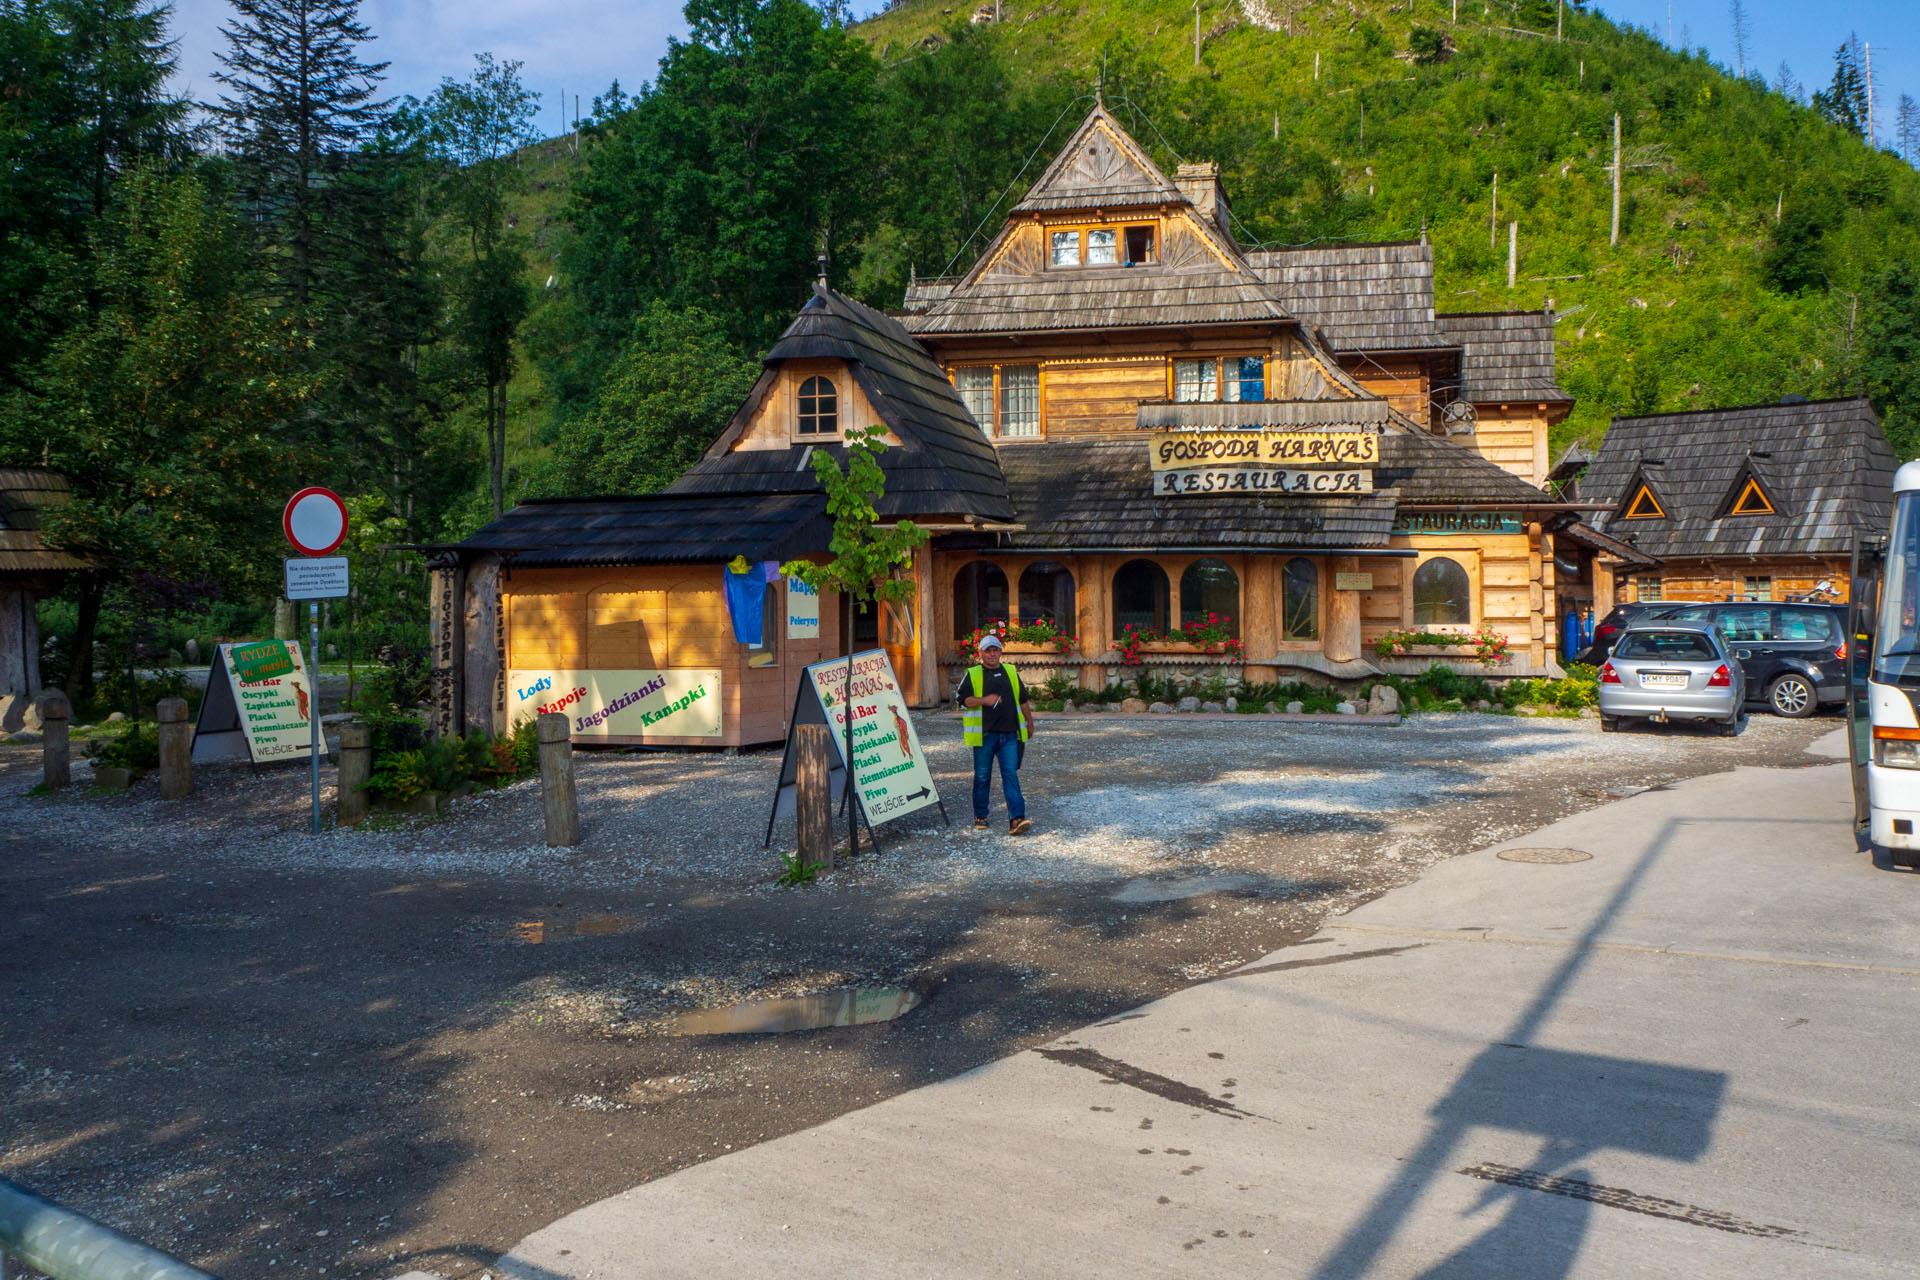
(1685, 1055)
(285, 1056)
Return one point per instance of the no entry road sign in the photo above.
(315, 521)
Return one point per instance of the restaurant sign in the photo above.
(1453, 522)
(1188, 450)
(1262, 480)
(678, 703)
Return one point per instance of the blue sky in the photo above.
(580, 46)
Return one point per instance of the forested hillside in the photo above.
(1762, 243)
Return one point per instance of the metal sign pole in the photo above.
(313, 717)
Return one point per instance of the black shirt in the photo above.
(996, 719)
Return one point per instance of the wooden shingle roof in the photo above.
(1198, 275)
(1506, 355)
(1829, 477)
(1100, 167)
(25, 494)
(1364, 297)
(943, 465)
(1099, 495)
(656, 529)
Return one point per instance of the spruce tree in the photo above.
(1844, 102)
(300, 98)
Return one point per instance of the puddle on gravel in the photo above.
(532, 933)
(846, 1007)
(1177, 888)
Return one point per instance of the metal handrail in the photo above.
(71, 1246)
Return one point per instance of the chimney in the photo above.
(1200, 183)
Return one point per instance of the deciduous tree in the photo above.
(663, 402)
(165, 403)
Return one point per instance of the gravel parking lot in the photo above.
(277, 1054)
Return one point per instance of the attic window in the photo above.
(1752, 501)
(1100, 246)
(819, 408)
(1139, 245)
(1644, 506)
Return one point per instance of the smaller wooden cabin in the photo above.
(29, 571)
(1763, 502)
(614, 609)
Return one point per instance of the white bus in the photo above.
(1883, 709)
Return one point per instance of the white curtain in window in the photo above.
(1103, 248)
(1020, 400)
(1066, 248)
(975, 386)
(1194, 380)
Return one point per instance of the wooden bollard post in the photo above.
(356, 766)
(176, 749)
(56, 751)
(813, 799)
(557, 800)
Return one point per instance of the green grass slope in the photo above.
(1695, 307)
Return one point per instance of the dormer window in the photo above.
(1101, 246)
(819, 408)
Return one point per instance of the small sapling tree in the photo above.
(868, 557)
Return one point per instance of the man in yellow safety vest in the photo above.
(997, 728)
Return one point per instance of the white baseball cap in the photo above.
(990, 642)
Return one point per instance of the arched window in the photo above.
(819, 408)
(1140, 594)
(1300, 600)
(1441, 593)
(1209, 592)
(1046, 591)
(979, 597)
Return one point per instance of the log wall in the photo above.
(659, 618)
(1689, 579)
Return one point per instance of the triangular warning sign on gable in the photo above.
(1644, 505)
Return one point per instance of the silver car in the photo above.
(1672, 670)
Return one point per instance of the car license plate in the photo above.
(1664, 680)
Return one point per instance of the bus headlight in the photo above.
(1896, 754)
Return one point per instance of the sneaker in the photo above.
(979, 824)
(1019, 827)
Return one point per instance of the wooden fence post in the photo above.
(176, 749)
(813, 798)
(56, 752)
(350, 803)
(558, 803)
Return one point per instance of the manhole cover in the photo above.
(1543, 855)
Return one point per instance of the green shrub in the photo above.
(137, 748)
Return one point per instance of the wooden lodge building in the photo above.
(1118, 417)
(1757, 503)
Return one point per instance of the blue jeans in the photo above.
(1004, 747)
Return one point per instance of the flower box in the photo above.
(1029, 647)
